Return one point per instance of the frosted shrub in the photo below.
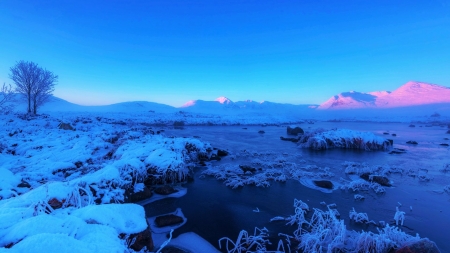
(324, 232)
(356, 168)
(235, 177)
(359, 185)
(377, 188)
(343, 138)
(447, 189)
(358, 217)
(249, 243)
(358, 197)
(399, 216)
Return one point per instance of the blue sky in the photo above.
(299, 52)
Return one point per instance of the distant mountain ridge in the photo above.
(225, 105)
(410, 94)
(412, 97)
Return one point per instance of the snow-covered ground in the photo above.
(66, 175)
(62, 190)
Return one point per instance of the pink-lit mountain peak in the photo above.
(223, 100)
(410, 94)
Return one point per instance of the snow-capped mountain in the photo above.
(410, 94)
(225, 105)
(56, 104)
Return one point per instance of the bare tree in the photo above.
(6, 95)
(34, 82)
(43, 91)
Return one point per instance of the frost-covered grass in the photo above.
(324, 232)
(63, 190)
(343, 138)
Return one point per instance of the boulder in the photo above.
(24, 184)
(215, 157)
(382, 180)
(138, 196)
(412, 142)
(140, 240)
(65, 126)
(261, 132)
(294, 130)
(165, 190)
(55, 203)
(168, 220)
(221, 152)
(448, 131)
(444, 144)
(323, 184)
(423, 246)
(246, 168)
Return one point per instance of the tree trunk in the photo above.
(29, 102)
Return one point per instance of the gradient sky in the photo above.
(299, 52)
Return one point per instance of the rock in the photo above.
(448, 131)
(412, 142)
(289, 139)
(140, 240)
(165, 190)
(138, 196)
(244, 128)
(246, 168)
(55, 203)
(323, 184)
(168, 220)
(65, 126)
(444, 144)
(215, 157)
(386, 133)
(423, 246)
(221, 152)
(294, 131)
(382, 180)
(446, 139)
(24, 184)
(261, 132)
(391, 141)
(394, 134)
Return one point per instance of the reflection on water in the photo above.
(214, 210)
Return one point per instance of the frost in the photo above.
(399, 216)
(343, 138)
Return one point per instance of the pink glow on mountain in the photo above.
(410, 94)
(223, 100)
(189, 103)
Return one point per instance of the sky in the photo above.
(299, 52)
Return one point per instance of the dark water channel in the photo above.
(214, 210)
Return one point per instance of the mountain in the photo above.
(224, 105)
(56, 104)
(410, 94)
